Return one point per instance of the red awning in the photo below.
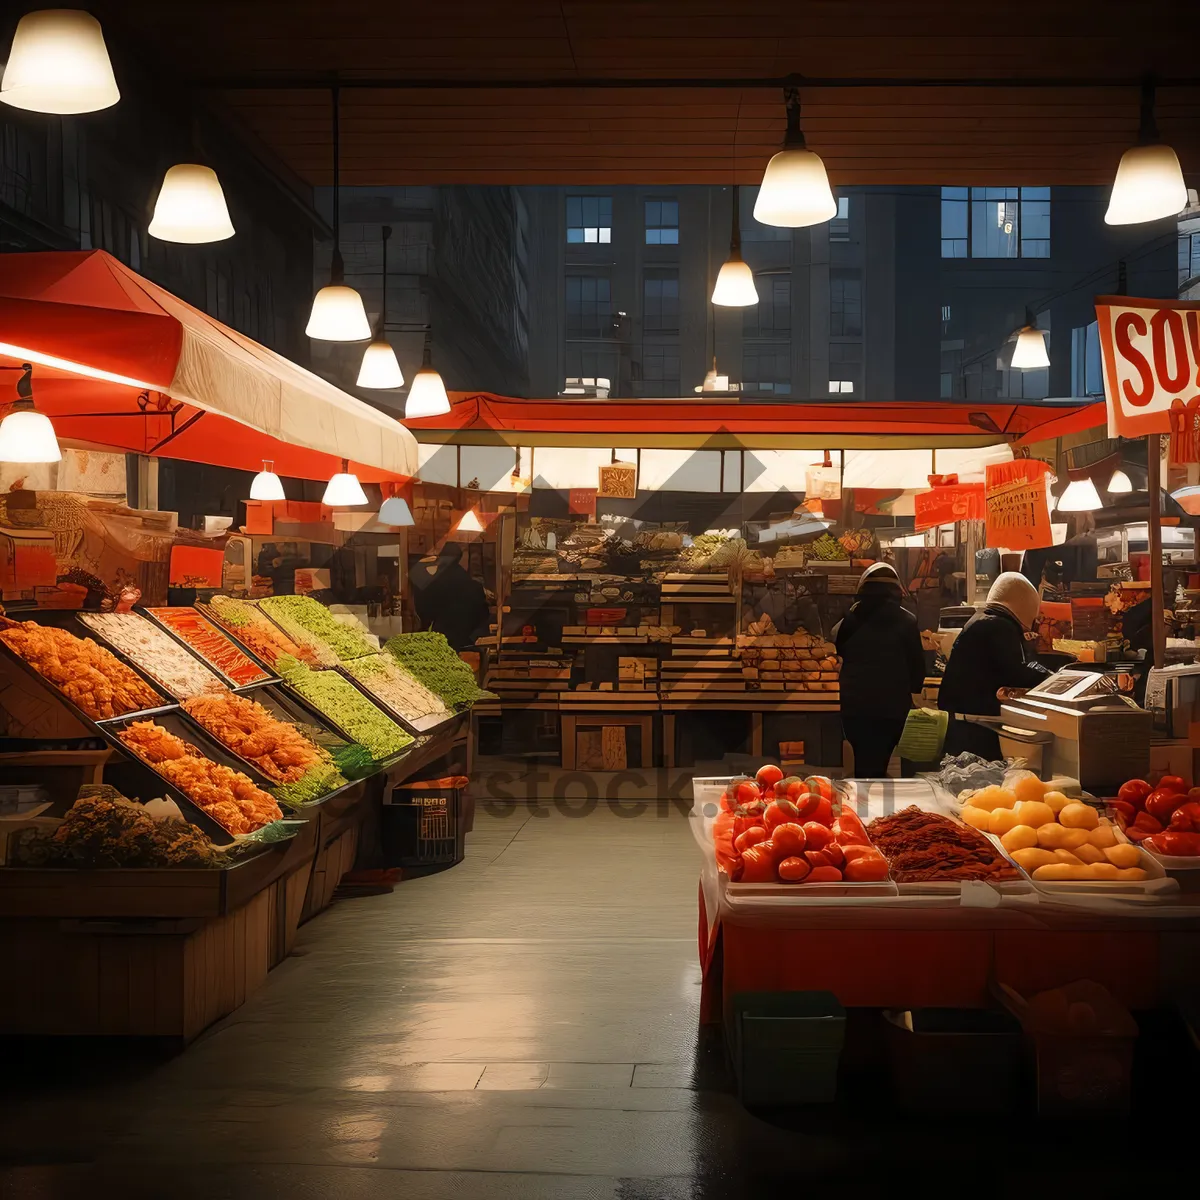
(123, 364)
(480, 416)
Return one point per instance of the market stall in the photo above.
(675, 573)
(190, 752)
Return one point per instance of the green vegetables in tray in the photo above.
(339, 700)
(316, 782)
(431, 659)
(354, 761)
(302, 615)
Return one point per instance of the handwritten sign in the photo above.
(1150, 352)
(618, 481)
(1018, 514)
(581, 502)
(945, 505)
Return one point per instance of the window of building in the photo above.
(946, 385)
(1086, 375)
(845, 304)
(772, 315)
(660, 370)
(660, 301)
(589, 219)
(996, 222)
(839, 227)
(662, 222)
(841, 386)
(589, 306)
(945, 314)
(1189, 257)
(766, 370)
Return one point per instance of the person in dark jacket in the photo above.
(883, 665)
(987, 655)
(448, 600)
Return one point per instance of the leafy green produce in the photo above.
(354, 761)
(306, 618)
(431, 659)
(339, 700)
(316, 782)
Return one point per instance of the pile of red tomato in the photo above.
(1165, 818)
(776, 830)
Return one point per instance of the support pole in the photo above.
(1157, 605)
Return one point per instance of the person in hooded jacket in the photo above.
(987, 655)
(883, 665)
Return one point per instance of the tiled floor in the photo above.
(524, 1026)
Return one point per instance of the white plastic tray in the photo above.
(1156, 880)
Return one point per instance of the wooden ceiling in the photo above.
(266, 62)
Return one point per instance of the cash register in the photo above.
(1097, 735)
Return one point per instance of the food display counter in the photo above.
(245, 780)
(960, 907)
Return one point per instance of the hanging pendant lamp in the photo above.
(1080, 496)
(469, 522)
(343, 489)
(266, 485)
(795, 188)
(379, 368)
(191, 207)
(427, 393)
(1119, 483)
(1149, 183)
(337, 313)
(1030, 350)
(395, 511)
(26, 435)
(735, 281)
(59, 64)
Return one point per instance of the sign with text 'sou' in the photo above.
(1151, 358)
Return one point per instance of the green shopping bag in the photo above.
(924, 735)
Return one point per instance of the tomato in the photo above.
(848, 829)
(818, 858)
(823, 813)
(793, 870)
(854, 851)
(747, 793)
(1161, 803)
(780, 812)
(789, 839)
(1134, 792)
(1172, 783)
(1136, 834)
(1186, 818)
(744, 821)
(792, 787)
(751, 837)
(1182, 845)
(768, 776)
(723, 834)
(1147, 822)
(1125, 811)
(822, 785)
(824, 875)
(870, 868)
(758, 864)
(816, 835)
(834, 853)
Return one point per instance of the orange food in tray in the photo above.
(280, 751)
(232, 799)
(91, 677)
(211, 644)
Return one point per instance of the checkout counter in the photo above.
(1078, 724)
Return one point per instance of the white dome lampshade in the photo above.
(427, 393)
(1030, 350)
(1149, 185)
(735, 281)
(469, 522)
(395, 511)
(344, 490)
(380, 368)
(191, 207)
(338, 315)
(59, 64)
(266, 485)
(27, 436)
(1119, 483)
(1080, 496)
(735, 285)
(795, 191)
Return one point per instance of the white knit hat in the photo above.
(1014, 592)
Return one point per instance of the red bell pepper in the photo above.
(1147, 823)
(1171, 783)
(1161, 803)
(1182, 845)
(1134, 792)
(1186, 818)
(1125, 811)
